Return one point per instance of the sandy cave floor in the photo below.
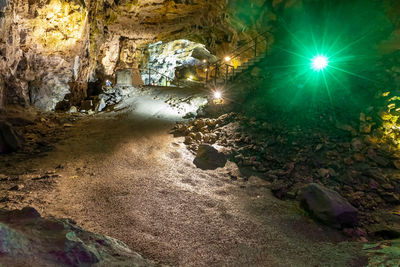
(124, 175)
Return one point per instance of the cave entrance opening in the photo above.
(179, 63)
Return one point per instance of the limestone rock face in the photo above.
(328, 206)
(27, 238)
(38, 44)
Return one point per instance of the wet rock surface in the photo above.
(29, 239)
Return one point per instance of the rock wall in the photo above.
(39, 42)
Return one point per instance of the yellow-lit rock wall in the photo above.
(51, 49)
(41, 45)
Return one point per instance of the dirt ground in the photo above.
(123, 175)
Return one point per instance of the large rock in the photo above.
(209, 158)
(9, 141)
(328, 206)
(27, 239)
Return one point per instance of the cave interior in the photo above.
(199, 133)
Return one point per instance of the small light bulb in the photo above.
(204, 61)
(217, 95)
(319, 63)
(227, 58)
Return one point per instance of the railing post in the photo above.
(149, 76)
(226, 73)
(208, 68)
(215, 76)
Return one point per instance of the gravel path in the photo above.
(125, 176)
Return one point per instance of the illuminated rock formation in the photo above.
(50, 51)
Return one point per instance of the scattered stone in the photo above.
(358, 166)
(190, 115)
(17, 187)
(357, 144)
(4, 199)
(279, 189)
(328, 206)
(365, 128)
(73, 109)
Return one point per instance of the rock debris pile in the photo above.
(350, 160)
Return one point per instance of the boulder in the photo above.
(9, 141)
(328, 206)
(27, 239)
(209, 158)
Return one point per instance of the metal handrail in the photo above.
(217, 64)
(149, 70)
(220, 64)
(255, 39)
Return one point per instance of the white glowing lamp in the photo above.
(217, 95)
(319, 63)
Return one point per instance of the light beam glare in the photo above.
(352, 74)
(291, 52)
(294, 36)
(351, 44)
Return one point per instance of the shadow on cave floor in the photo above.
(125, 176)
